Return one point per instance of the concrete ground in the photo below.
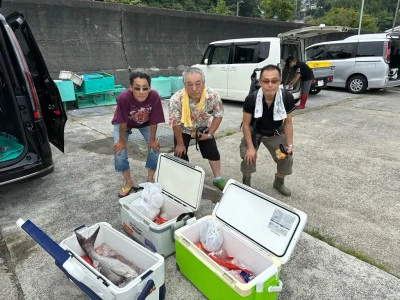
(346, 178)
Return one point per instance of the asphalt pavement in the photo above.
(346, 179)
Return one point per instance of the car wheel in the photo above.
(357, 84)
(314, 91)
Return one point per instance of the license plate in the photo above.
(320, 83)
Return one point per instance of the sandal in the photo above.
(127, 191)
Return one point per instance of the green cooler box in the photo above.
(258, 230)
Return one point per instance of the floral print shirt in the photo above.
(213, 107)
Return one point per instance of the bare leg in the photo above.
(215, 167)
(128, 179)
(150, 175)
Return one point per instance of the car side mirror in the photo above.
(206, 61)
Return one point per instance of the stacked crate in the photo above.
(97, 89)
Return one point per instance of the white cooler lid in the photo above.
(180, 180)
(264, 220)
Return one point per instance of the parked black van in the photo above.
(31, 111)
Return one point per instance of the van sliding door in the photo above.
(244, 61)
(216, 71)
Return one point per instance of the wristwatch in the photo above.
(210, 136)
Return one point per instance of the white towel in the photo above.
(279, 107)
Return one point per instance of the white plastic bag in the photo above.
(211, 235)
(150, 201)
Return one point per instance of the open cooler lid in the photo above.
(180, 180)
(264, 220)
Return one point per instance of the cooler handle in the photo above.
(276, 289)
(271, 271)
(78, 228)
(147, 288)
(54, 249)
(181, 220)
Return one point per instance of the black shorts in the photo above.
(208, 148)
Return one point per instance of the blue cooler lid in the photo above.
(271, 224)
(180, 180)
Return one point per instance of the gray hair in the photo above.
(193, 70)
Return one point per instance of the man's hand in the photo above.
(118, 147)
(155, 145)
(251, 156)
(289, 149)
(180, 150)
(203, 136)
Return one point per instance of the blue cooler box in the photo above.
(67, 256)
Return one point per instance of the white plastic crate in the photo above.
(75, 78)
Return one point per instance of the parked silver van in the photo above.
(366, 61)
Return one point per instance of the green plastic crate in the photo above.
(83, 100)
(66, 90)
(96, 83)
(176, 83)
(99, 99)
(112, 95)
(162, 85)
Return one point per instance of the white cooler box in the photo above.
(182, 188)
(149, 285)
(258, 230)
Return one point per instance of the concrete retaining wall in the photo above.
(86, 36)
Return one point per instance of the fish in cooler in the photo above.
(113, 269)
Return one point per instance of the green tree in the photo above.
(282, 10)
(381, 10)
(247, 8)
(221, 8)
(346, 17)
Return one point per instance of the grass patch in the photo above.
(230, 133)
(357, 254)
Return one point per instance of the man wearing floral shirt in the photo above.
(197, 111)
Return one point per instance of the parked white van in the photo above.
(366, 61)
(228, 64)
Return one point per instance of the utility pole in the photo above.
(395, 15)
(359, 24)
(237, 7)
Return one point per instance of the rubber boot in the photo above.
(247, 181)
(279, 185)
(303, 100)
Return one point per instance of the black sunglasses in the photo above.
(138, 88)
